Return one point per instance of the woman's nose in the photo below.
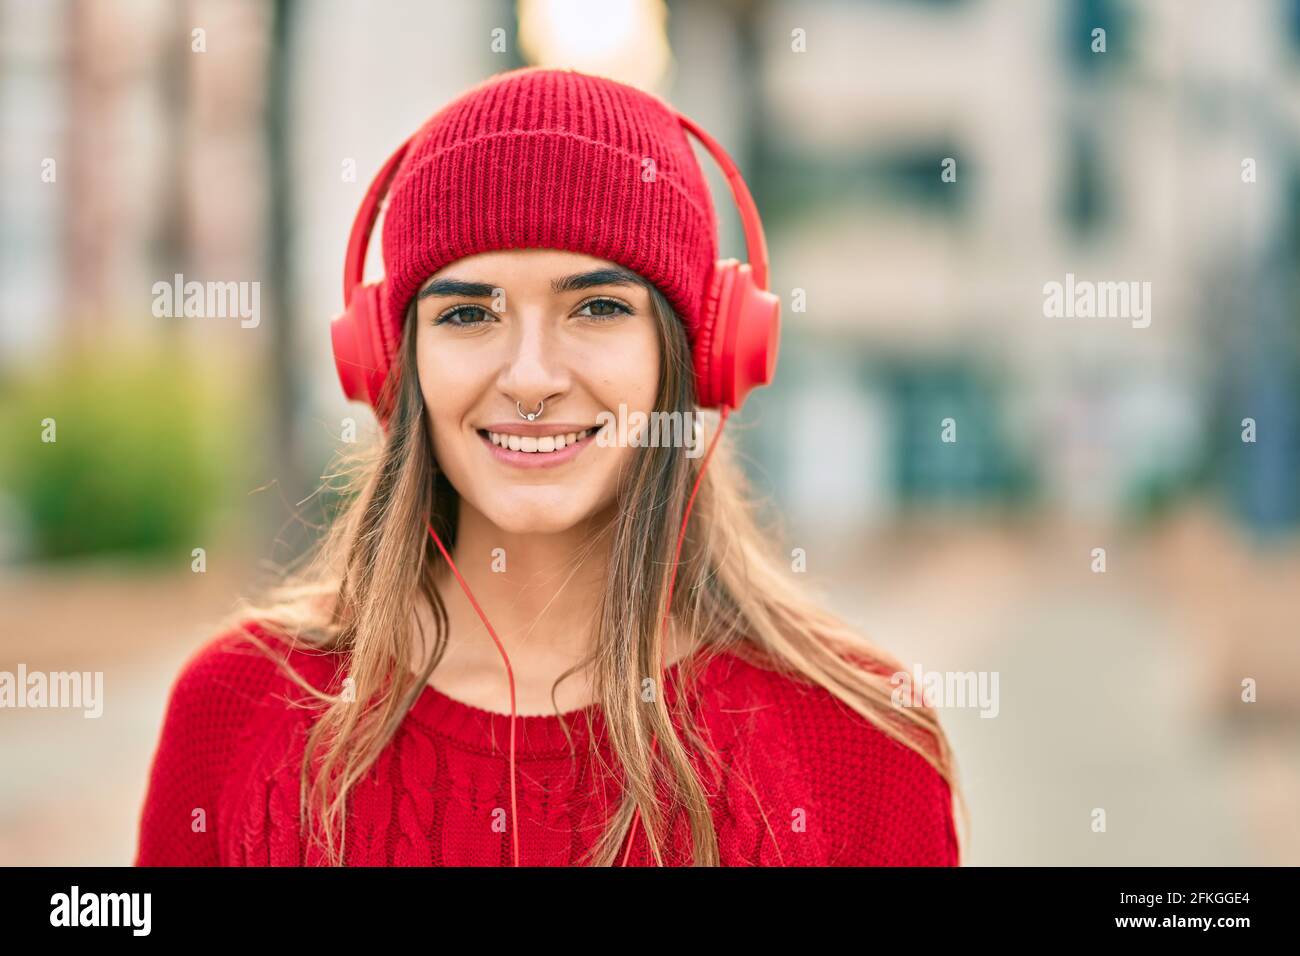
(534, 368)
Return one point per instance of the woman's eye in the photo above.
(604, 309)
(454, 315)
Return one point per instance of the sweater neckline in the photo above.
(488, 731)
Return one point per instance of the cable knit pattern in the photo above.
(806, 781)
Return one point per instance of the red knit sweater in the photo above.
(806, 780)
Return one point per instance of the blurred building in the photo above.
(925, 296)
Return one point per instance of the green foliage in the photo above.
(139, 456)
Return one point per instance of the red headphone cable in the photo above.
(510, 675)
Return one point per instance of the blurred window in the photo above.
(1085, 204)
(1080, 20)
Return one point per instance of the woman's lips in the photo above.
(534, 450)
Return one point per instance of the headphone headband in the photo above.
(354, 266)
(750, 223)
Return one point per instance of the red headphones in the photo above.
(735, 346)
(734, 352)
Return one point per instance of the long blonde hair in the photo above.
(357, 594)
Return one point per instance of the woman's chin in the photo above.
(536, 514)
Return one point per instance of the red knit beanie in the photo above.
(551, 159)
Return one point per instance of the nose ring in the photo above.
(530, 415)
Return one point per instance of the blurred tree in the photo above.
(171, 237)
(118, 451)
(285, 379)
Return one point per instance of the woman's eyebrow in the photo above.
(586, 280)
(458, 287)
(574, 283)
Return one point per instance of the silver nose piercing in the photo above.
(530, 415)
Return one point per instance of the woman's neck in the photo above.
(542, 594)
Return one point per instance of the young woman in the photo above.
(527, 639)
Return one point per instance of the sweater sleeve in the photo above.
(878, 802)
(210, 702)
(885, 804)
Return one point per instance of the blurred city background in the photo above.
(923, 168)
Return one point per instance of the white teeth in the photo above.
(534, 445)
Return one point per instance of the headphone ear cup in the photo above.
(707, 355)
(358, 350)
(737, 345)
(750, 360)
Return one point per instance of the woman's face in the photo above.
(533, 326)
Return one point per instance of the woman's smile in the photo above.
(536, 446)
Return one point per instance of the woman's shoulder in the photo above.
(240, 668)
(756, 687)
(228, 693)
(882, 799)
